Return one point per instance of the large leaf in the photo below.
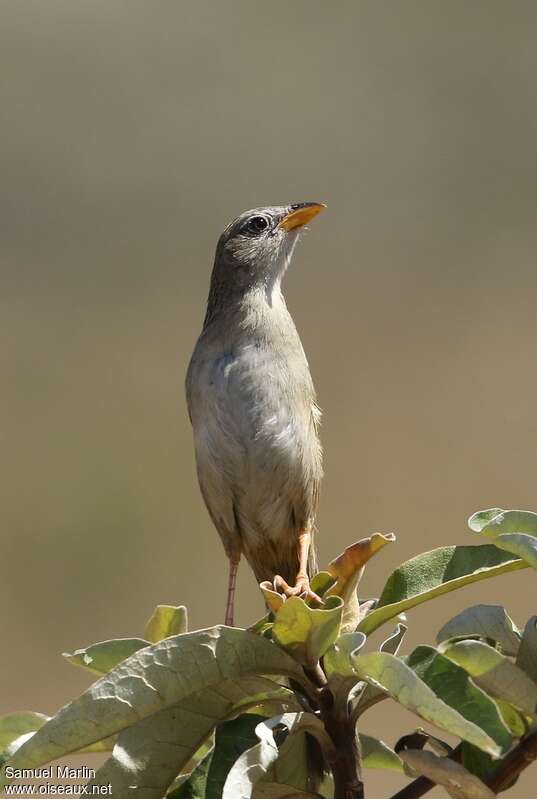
(486, 621)
(103, 657)
(527, 651)
(515, 531)
(434, 573)
(307, 632)
(495, 673)
(452, 684)
(394, 677)
(166, 620)
(377, 754)
(149, 755)
(347, 570)
(151, 680)
(457, 781)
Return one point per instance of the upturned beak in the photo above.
(300, 215)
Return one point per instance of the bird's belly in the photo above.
(256, 445)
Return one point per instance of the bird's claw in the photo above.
(301, 588)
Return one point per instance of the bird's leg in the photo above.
(234, 560)
(302, 583)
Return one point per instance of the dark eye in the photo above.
(257, 224)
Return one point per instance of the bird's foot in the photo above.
(301, 588)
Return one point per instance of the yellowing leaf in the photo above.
(307, 632)
(347, 570)
(166, 620)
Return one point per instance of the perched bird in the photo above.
(252, 405)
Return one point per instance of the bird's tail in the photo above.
(312, 557)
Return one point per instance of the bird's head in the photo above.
(255, 249)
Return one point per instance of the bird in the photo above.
(253, 407)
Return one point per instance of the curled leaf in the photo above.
(307, 632)
(514, 531)
(273, 599)
(347, 570)
(490, 622)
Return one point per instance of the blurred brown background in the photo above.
(131, 133)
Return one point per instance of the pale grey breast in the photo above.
(255, 430)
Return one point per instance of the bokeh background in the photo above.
(131, 133)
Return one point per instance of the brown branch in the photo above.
(346, 764)
(514, 763)
(508, 769)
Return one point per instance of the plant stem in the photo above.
(513, 764)
(346, 766)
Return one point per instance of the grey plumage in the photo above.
(251, 399)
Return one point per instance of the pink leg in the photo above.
(302, 583)
(233, 569)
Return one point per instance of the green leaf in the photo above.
(377, 754)
(322, 582)
(255, 763)
(457, 781)
(153, 679)
(496, 521)
(338, 657)
(482, 518)
(486, 621)
(307, 632)
(231, 740)
(452, 685)
(343, 684)
(513, 719)
(196, 785)
(434, 573)
(494, 673)
(395, 678)
(261, 763)
(477, 762)
(166, 620)
(103, 657)
(13, 725)
(514, 531)
(370, 695)
(527, 651)
(151, 753)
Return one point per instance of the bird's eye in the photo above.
(257, 224)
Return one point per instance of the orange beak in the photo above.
(300, 215)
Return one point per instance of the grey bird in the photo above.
(252, 406)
